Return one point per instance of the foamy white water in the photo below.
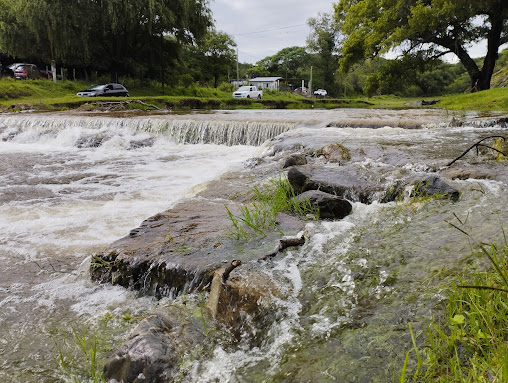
(58, 205)
(70, 186)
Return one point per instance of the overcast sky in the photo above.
(261, 28)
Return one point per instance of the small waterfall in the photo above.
(180, 131)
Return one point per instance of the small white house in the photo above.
(262, 83)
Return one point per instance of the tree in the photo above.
(117, 36)
(288, 62)
(432, 27)
(324, 43)
(218, 53)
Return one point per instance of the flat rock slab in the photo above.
(180, 249)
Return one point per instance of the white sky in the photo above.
(261, 28)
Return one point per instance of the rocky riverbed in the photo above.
(384, 190)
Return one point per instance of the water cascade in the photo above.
(336, 308)
(180, 131)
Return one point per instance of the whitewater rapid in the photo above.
(59, 204)
(71, 185)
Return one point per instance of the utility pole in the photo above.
(237, 73)
(310, 81)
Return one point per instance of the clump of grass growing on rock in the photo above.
(276, 197)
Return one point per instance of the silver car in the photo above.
(105, 90)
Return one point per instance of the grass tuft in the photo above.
(278, 196)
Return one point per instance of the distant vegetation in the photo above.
(45, 95)
(178, 47)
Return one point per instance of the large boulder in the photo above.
(294, 159)
(330, 206)
(335, 153)
(359, 185)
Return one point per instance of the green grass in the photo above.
(46, 95)
(471, 343)
(83, 363)
(261, 214)
(487, 100)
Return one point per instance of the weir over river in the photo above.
(70, 185)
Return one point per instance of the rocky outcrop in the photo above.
(180, 249)
(153, 348)
(367, 185)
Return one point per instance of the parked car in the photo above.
(105, 90)
(14, 66)
(26, 71)
(46, 74)
(248, 91)
(320, 92)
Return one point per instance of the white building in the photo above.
(271, 83)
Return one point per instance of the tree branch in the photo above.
(476, 145)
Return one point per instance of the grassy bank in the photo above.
(487, 100)
(45, 95)
(470, 344)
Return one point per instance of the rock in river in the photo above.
(329, 205)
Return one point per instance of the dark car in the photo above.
(105, 90)
(26, 71)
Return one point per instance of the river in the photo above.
(70, 185)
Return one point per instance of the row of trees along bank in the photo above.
(175, 41)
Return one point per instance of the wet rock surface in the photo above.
(329, 205)
(153, 349)
(189, 247)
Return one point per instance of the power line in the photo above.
(246, 54)
(269, 30)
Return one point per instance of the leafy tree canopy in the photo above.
(216, 53)
(324, 44)
(119, 36)
(432, 27)
(288, 62)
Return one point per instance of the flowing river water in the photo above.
(70, 185)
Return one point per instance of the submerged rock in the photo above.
(91, 141)
(136, 144)
(245, 297)
(153, 349)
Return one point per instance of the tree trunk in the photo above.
(493, 43)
